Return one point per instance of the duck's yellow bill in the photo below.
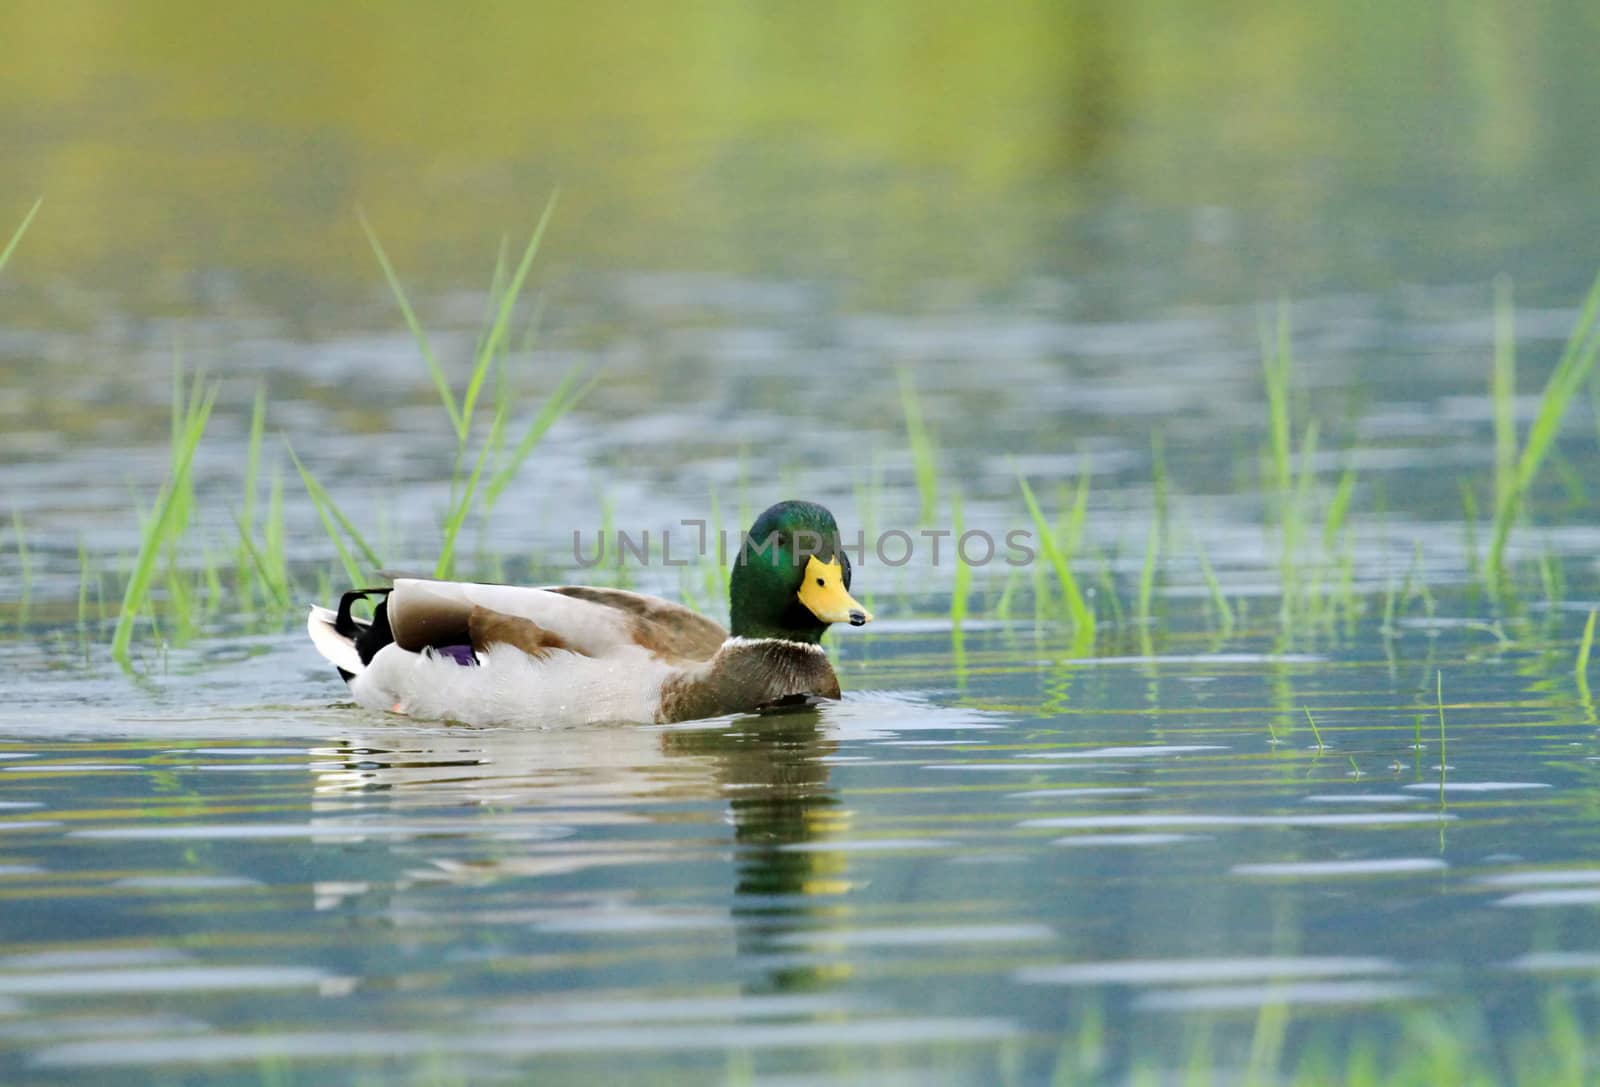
(823, 592)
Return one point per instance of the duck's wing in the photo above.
(489, 628)
(593, 622)
(664, 628)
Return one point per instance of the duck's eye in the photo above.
(819, 581)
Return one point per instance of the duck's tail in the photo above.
(348, 643)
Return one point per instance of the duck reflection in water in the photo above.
(773, 770)
(541, 816)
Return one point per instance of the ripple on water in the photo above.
(866, 845)
(832, 1034)
(185, 883)
(1377, 866)
(69, 768)
(102, 1026)
(1150, 751)
(667, 1007)
(1086, 793)
(241, 751)
(1542, 877)
(330, 829)
(1250, 997)
(1115, 840)
(175, 979)
(92, 958)
(1003, 767)
(1183, 819)
(1565, 896)
(1204, 970)
(918, 936)
(1362, 798)
(1556, 962)
(1476, 786)
(624, 921)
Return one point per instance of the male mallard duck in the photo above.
(502, 654)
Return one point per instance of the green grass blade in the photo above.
(272, 533)
(1315, 731)
(1219, 600)
(1577, 358)
(1147, 572)
(16, 237)
(502, 321)
(252, 475)
(320, 495)
(1158, 480)
(160, 528)
(252, 461)
(1081, 618)
(1584, 647)
(279, 591)
(1338, 510)
(440, 383)
(962, 586)
(1571, 371)
(458, 516)
(497, 283)
(1438, 678)
(1071, 534)
(1276, 365)
(324, 504)
(83, 581)
(1008, 592)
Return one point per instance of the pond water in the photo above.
(1323, 819)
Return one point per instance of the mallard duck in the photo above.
(502, 654)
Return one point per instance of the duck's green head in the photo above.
(791, 578)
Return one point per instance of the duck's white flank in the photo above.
(508, 687)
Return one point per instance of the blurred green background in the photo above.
(1156, 152)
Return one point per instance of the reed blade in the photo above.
(440, 383)
(508, 304)
(324, 506)
(1078, 612)
(161, 527)
(16, 237)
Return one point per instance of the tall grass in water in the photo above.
(960, 591)
(1057, 547)
(1277, 361)
(260, 569)
(476, 488)
(1307, 581)
(163, 527)
(1581, 668)
(1516, 470)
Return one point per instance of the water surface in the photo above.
(1002, 858)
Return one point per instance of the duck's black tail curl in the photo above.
(368, 637)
